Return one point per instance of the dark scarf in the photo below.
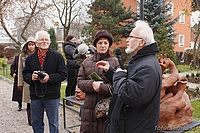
(99, 57)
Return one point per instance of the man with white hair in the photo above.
(44, 71)
(136, 103)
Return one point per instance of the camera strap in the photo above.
(42, 89)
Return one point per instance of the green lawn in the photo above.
(196, 115)
(5, 68)
(62, 90)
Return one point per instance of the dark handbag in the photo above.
(102, 107)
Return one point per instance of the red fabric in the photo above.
(41, 57)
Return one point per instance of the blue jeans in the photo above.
(37, 115)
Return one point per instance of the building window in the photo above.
(181, 40)
(171, 6)
(181, 17)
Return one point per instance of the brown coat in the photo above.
(21, 82)
(89, 123)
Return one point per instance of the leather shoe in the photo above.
(69, 103)
(19, 108)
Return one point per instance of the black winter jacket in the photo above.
(138, 95)
(54, 65)
(69, 51)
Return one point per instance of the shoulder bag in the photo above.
(102, 107)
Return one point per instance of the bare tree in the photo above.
(3, 5)
(68, 10)
(20, 19)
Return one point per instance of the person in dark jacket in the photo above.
(137, 88)
(17, 94)
(72, 66)
(44, 71)
(95, 90)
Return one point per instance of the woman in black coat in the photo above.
(72, 66)
(17, 94)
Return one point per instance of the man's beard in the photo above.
(131, 50)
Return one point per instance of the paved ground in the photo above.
(13, 121)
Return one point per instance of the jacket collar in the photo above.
(99, 57)
(70, 43)
(145, 51)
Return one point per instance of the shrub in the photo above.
(197, 74)
(192, 75)
(197, 89)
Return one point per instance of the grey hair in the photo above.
(145, 31)
(41, 32)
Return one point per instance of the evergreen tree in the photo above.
(54, 44)
(157, 14)
(110, 15)
(165, 46)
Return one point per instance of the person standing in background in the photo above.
(26, 49)
(69, 48)
(17, 94)
(95, 90)
(44, 71)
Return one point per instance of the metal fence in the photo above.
(5, 70)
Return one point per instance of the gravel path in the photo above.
(13, 121)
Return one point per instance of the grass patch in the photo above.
(196, 106)
(5, 68)
(184, 68)
(62, 90)
(196, 115)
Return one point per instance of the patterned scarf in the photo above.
(41, 56)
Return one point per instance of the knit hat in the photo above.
(103, 33)
(30, 39)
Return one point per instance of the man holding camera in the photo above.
(44, 70)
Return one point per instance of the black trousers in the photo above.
(71, 81)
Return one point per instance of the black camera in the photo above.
(41, 75)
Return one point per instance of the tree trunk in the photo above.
(195, 51)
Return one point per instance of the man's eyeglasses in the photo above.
(135, 37)
(43, 40)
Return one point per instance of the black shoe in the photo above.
(69, 103)
(19, 108)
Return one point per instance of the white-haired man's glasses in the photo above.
(135, 37)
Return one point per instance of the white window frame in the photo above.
(181, 40)
(181, 17)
